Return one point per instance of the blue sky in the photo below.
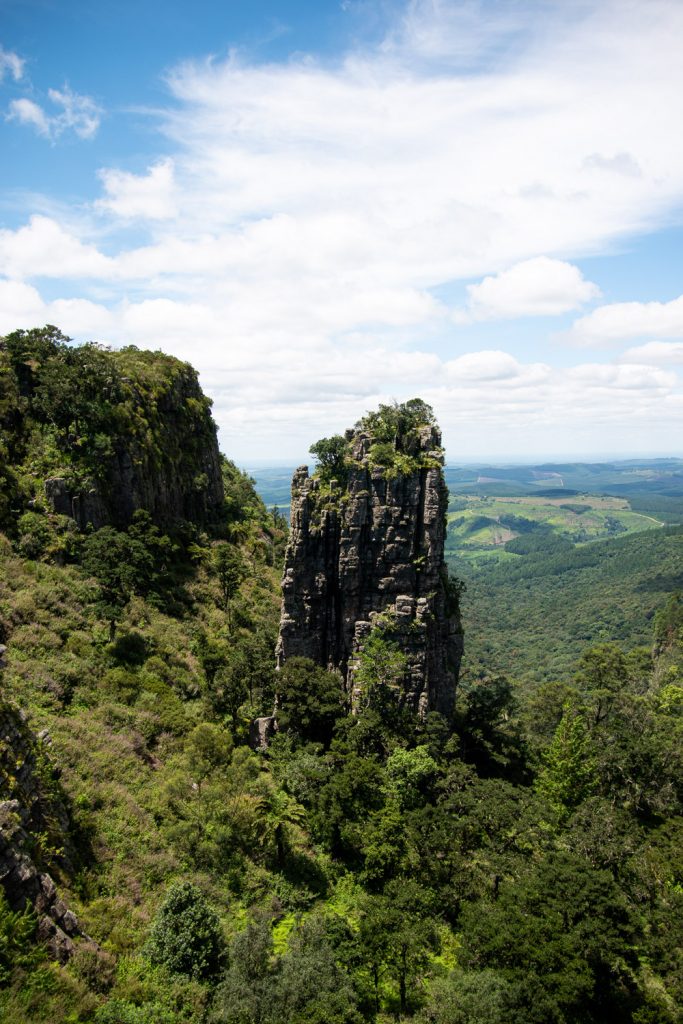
(327, 205)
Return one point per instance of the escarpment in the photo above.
(366, 551)
(95, 434)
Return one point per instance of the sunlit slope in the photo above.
(488, 526)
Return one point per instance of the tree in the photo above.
(393, 424)
(310, 700)
(669, 623)
(305, 986)
(380, 674)
(207, 748)
(312, 988)
(467, 997)
(229, 689)
(121, 565)
(228, 564)
(603, 673)
(569, 773)
(245, 995)
(331, 454)
(409, 773)
(565, 938)
(396, 935)
(186, 936)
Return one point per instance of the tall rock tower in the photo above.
(366, 550)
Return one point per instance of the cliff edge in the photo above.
(94, 434)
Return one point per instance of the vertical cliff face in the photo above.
(95, 434)
(166, 461)
(368, 551)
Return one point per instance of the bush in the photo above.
(186, 935)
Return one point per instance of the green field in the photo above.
(482, 527)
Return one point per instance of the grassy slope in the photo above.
(119, 717)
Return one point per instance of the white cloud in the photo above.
(148, 197)
(27, 112)
(20, 306)
(43, 248)
(477, 366)
(619, 163)
(79, 114)
(535, 287)
(631, 376)
(276, 390)
(655, 352)
(621, 321)
(12, 64)
(292, 237)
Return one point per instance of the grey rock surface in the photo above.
(374, 547)
(179, 477)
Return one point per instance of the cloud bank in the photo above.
(298, 231)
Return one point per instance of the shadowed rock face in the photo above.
(28, 814)
(374, 547)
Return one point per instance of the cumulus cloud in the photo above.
(79, 114)
(488, 365)
(11, 64)
(275, 390)
(535, 287)
(622, 321)
(655, 352)
(148, 197)
(293, 237)
(43, 248)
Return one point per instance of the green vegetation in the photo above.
(395, 443)
(519, 863)
(186, 935)
(482, 528)
(532, 615)
(103, 425)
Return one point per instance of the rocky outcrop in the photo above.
(261, 731)
(172, 470)
(31, 817)
(371, 551)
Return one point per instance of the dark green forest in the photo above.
(518, 864)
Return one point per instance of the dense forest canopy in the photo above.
(518, 863)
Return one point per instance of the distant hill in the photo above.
(650, 486)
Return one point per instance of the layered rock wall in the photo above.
(373, 549)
